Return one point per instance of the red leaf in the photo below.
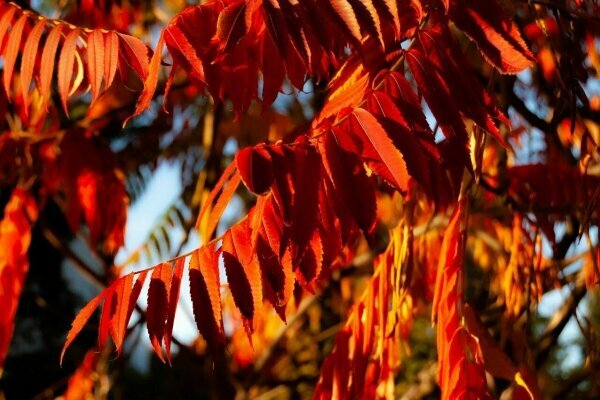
(466, 377)
(243, 272)
(277, 275)
(231, 25)
(335, 221)
(437, 94)
(472, 100)
(81, 384)
(282, 174)
(108, 309)
(399, 89)
(378, 150)
(272, 225)
(392, 8)
(135, 54)
(206, 295)
(441, 101)
(135, 292)
(344, 10)
(296, 31)
(311, 263)
(369, 18)
(446, 4)
(550, 186)
(80, 320)
(460, 370)
(451, 257)
(273, 70)
(277, 28)
(183, 52)
(255, 168)
(415, 154)
(306, 177)
(527, 387)
(256, 216)
(370, 310)
(496, 35)
(173, 301)
(87, 173)
(496, 361)
(349, 178)
(122, 296)
(158, 304)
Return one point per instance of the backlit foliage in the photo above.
(445, 170)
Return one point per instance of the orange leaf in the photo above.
(118, 320)
(457, 374)
(208, 203)
(5, 22)
(496, 35)
(150, 82)
(108, 309)
(348, 89)
(47, 61)
(111, 57)
(344, 10)
(220, 205)
(380, 153)
(65, 66)
(414, 152)
(81, 383)
(392, 7)
(80, 320)
(15, 237)
(12, 51)
(95, 61)
(373, 23)
(28, 59)
(135, 293)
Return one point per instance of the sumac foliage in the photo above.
(412, 184)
